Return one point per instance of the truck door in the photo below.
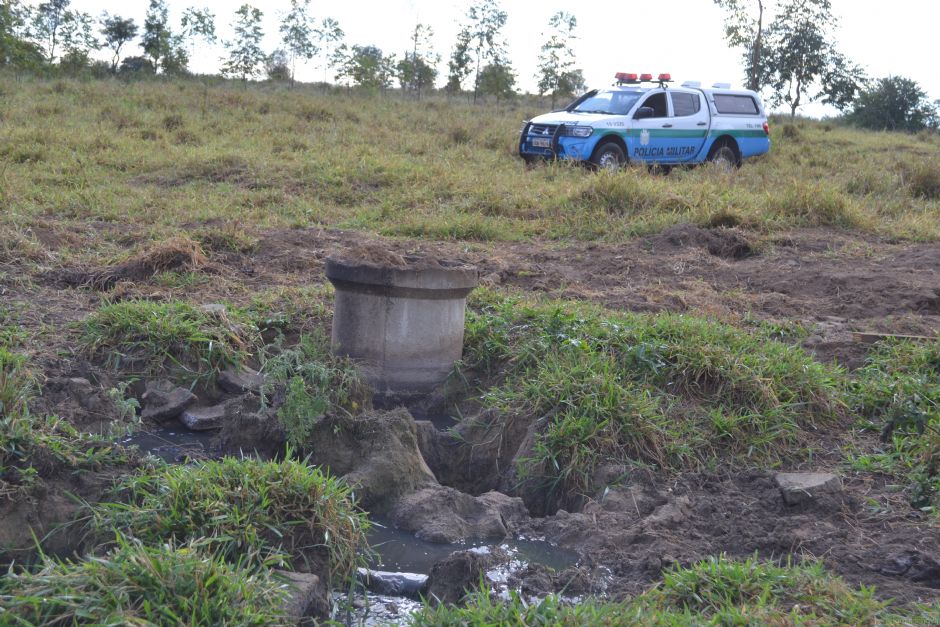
(689, 128)
(645, 140)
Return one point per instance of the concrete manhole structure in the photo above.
(402, 324)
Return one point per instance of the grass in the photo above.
(264, 513)
(672, 391)
(145, 337)
(136, 584)
(144, 159)
(898, 393)
(716, 591)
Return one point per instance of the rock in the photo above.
(393, 584)
(377, 452)
(164, 402)
(203, 418)
(914, 565)
(240, 381)
(453, 577)
(800, 487)
(308, 599)
(442, 514)
(670, 514)
(215, 309)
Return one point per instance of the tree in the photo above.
(277, 66)
(297, 34)
(367, 67)
(165, 48)
(15, 49)
(77, 35)
(802, 61)
(479, 41)
(894, 103)
(329, 37)
(556, 72)
(117, 31)
(744, 28)
(197, 24)
(48, 19)
(417, 70)
(497, 80)
(458, 66)
(245, 54)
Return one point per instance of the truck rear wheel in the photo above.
(724, 157)
(608, 156)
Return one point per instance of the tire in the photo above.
(725, 158)
(608, 156)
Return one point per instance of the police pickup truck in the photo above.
(646, 121)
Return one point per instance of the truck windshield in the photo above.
(610, 102)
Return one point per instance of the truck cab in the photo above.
(633, 121)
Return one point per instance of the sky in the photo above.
(683, 37)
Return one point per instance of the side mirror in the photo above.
(644, 112)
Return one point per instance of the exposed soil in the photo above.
(834, 282)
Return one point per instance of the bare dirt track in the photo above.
(833, 282)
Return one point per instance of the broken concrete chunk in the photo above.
(240, 381)
(800, 487)
(203, 418)
(393, 584)
(164, 402)
(307, 599)
(444, 515)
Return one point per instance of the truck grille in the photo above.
(546, 130)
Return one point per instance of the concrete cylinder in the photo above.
(402, 325)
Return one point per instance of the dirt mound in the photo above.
(174, 254)
(377, 255)
(640, 529)
(375, 451)
(727, 243)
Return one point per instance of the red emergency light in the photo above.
(646, 77)
(624, 77)
(665, 76)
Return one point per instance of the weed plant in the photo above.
(146, 586)
(316, 382)
(717, 591)
(144, 338)
(672, 391)
(261, 513)
(898, 393)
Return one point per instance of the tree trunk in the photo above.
(756, 54)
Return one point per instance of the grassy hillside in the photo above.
(162, 157)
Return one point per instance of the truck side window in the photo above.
(658, 103)
(685, 104)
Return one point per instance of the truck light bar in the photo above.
(633, 78)
(625, 77)
(646, 77)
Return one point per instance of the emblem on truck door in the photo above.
(644, 137)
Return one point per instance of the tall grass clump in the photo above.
(147, 337)
(673, 391)
(244, 509)
(136, 584)
(898, 393)
(716, 591)
(922, 178)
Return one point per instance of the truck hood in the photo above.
(572, 117)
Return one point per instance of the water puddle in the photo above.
(173, 444)
(402, 552)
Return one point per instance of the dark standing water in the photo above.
(173, 444)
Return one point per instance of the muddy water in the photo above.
(173, 444)
(402, 552)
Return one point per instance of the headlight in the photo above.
(578, 131)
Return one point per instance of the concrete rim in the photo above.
(345, 273)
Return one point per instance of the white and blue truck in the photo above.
(647, 121)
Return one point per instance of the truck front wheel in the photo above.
(608, 156)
